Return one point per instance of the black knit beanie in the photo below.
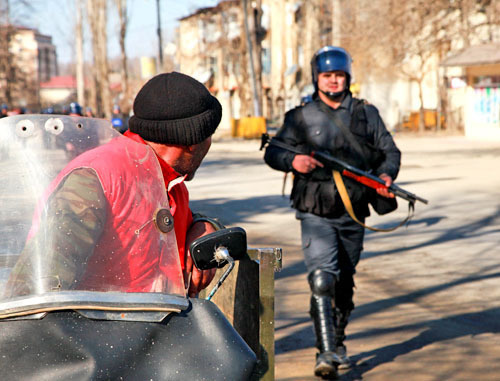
(173, 108)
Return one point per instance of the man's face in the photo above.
(332, 81)
(192, 158)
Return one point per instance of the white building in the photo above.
(474, 89)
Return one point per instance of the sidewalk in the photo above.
(427, 297)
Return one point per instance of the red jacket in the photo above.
(132, 254)
(178, 198)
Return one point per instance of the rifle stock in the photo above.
(348, 170)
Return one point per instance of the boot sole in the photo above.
(344, 366)
(326, 371)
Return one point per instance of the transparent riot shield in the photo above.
(85, 222)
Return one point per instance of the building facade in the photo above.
(473, 77)
(28, 59)
(212, 46)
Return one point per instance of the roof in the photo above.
(210, 9)
(60, 82)
(19, 28)
(475, 55)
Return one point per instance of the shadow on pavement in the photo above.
(451, 327)
(232, 162)
(468, 230)
(435, 331)
(233, 212)
(291, 270)
(365, 310)
(379, 305)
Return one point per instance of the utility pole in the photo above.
(256, 103)
(160, 43)
(80, 87)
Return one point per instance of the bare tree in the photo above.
(253, 51)
(465, 8)
(310, 35)
(467, 19)
(415, 25)
(97, 17)
(121, 6)
(410, 38)
(6, 58)
(491, 9)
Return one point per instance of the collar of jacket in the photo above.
(347, 103)
(169, 173)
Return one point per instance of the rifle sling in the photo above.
(337, 177)
(346, 131)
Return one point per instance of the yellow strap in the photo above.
(337, 177)
(284, 183)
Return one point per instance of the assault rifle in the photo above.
(347, 170)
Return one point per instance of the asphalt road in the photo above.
(427, 297)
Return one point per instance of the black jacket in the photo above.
(311, 128)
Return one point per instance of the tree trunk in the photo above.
(311, 37)
(421, 120)
(5, 54)
(122, 13)
(97, 11)
(249, 38)
(336, 22)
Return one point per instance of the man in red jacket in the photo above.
(176, 116)
(117, 217)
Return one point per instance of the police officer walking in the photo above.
(4, 110)
(351, 130)
(118, 121)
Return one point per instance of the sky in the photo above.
(56, 18)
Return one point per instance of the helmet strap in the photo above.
(335, 96)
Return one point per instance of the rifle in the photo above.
(347, 170)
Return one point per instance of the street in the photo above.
(427, 295)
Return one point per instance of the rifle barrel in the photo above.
(365, 178)
(348, 170)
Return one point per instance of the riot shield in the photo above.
(85, 222)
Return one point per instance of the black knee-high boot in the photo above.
(344, 292)
(324, 323)
(323, 287)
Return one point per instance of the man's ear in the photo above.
(189, 148)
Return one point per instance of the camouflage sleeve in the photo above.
(70, 226)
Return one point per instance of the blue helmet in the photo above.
(75, 108)
(306, 99)
(330, 58)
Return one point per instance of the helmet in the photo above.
(331, 58)
(306, 99)
(75, 108)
